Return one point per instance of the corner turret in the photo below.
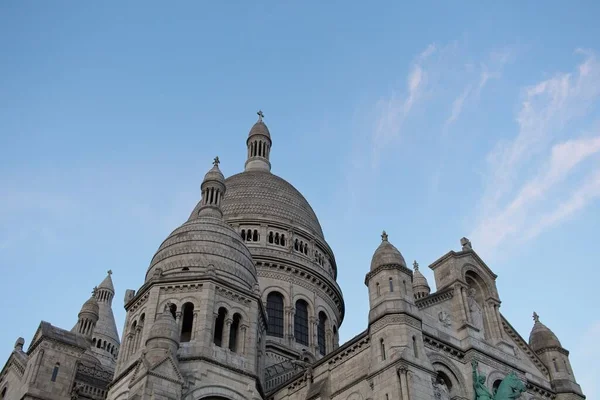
(556, 358)
(88, 317)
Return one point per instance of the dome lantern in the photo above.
(259, 146)
(213, 190)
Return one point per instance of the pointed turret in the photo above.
(420, 286)
(556, 358)
(105, 338)
(87, 317)
(259, 146)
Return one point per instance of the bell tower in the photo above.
(259, 146)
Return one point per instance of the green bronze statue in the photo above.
(511, 386)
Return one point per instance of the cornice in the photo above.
(385, 267)
(435, 298)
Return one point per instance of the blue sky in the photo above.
(432, 121)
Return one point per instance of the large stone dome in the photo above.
(266, 196)
(205, 244)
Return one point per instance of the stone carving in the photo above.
(440, 390)
(475, 309)
(511, 386)
(444, 318)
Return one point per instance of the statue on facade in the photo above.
(440, 389)
(511, 386)
(475, 309)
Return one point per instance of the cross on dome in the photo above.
(260, 115)
(94, 290)
(416, 265)
(109, 272)
(216, 161)
(384, 236)
(536, 317)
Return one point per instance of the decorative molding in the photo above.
(139, 302)
(183, 288)
(437, 345)
(385, 267)
(435, 298)
(232, 295)
(395, 319)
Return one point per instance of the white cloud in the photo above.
(393, 111)
(490, 69)
(511, 193)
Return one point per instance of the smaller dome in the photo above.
(420, 285)
(91, 306)
(259, 128)
(541, 337)
(164, 333)
(386, 254)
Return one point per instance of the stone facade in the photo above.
(241, 302)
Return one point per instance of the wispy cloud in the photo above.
(511, 195)
(393, 110)
(491, 68)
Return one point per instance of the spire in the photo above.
(105, 337)
(213, 190)
(259, 146)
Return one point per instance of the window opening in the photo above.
(188, 322)
(301, 322)
(275, 314)
(55, 372)
(233, 332)
(218, 336)
(321, 333)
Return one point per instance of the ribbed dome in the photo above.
(91, 306)
(259, 128)
(263, 195)
(541, 337)
(386, 254)
(200, 243)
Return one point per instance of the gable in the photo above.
(527, 356)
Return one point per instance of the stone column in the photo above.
(312, 334)
(178, 319)
(403, 376)
(226, 331)
(499, 319)
(288, 324)
(242, 339)
(328, 340)
(214, 327)
(194, 324)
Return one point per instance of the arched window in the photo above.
(404, 283)
(277, 238)
(414, 340)
(3, 393)
(55, 372)
(218, 335)
(321, 333)
(275, 314)
(306, 249)
(270, 237)
(93, 342)
(188, 322)
(391, 285)
(99, 343)
(301, 322)
(382, 347)
(555, 365)
(255, 236)
(282, 240)
(296, 244)
(233, 332)
(243, 234)
(378, 289)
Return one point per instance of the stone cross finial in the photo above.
(536, 317)
(260, 115)
(109, 272)
(216, 161)
(416, 265)
(94, 290)
(384, 236)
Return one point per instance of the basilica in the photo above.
(241, 302)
